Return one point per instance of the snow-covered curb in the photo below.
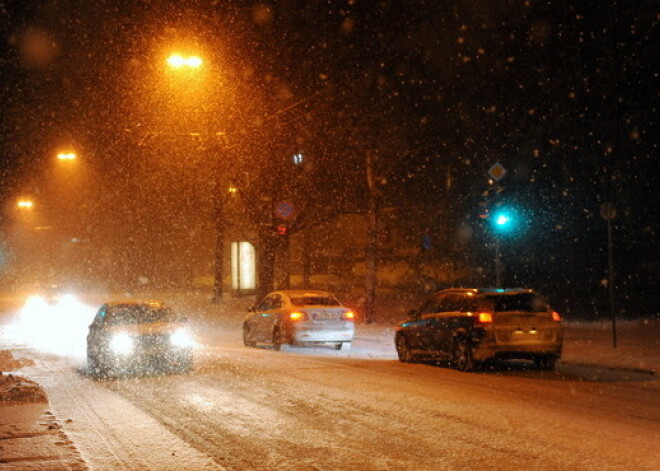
(17, 388)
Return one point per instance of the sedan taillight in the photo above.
(555, 316)
(348, 316)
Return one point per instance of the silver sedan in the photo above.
(299, 317)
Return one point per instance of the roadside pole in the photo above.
(608, 212)
(498, 263)
(371, 262)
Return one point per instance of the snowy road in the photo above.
(245, 409)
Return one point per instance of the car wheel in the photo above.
(92, 364)
(99, 368)
(463, 355)
(402, 349)
(184, 365)
(247, 338)
(545, 363)
(277, 340)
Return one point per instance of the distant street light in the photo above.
(25, 204)
(177, 61)
(66, 156)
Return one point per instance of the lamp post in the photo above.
(188, 64)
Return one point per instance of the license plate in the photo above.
(324, 315)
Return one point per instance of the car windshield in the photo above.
(314, 301)
(139, 314)
(526, 302)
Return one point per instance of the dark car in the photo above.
(138, 336)
(470, 326)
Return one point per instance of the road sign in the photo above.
(497, 172)
(284, 210)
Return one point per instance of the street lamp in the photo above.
(66, 156)
(177, 61)
(25, 204)
(189, 66)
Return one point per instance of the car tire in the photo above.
(92, 364)
(546, 363)
(463, 355)
(403, 350)
(247, 338)
(98, 368)
(277, 340)
(184, 365)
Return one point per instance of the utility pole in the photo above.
(371, 259)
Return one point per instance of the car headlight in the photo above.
(121, 343)
(36, 302)
(181, 338)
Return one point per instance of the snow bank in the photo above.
(16, 388)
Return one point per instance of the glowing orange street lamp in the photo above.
(66, 156)
(25, 204)
(177, 61)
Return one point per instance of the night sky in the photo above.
(562, 93)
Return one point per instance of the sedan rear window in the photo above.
(139, 315)
(314, 301)
(526, 302)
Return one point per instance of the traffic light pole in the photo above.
(498, 263)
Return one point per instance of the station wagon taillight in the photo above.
(485, 317)
(555, 316)
(348, 316)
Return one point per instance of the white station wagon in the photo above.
(299, 317)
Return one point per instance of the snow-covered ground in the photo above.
(323, 409)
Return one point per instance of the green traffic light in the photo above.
(503, 220)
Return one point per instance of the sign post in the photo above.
(608, 212)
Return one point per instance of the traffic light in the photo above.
(495, 208)
(281, 229)
(490, 201)
(503, 219)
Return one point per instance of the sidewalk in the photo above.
(31, 437)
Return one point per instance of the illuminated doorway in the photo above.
(243, 268)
